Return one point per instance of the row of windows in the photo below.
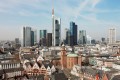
(8, 66)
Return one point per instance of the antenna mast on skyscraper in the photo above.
(52, 7)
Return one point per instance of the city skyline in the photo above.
(94, 16)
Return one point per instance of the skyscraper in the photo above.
(26, 36)
(66, 36)
(56, 30)
(35, 36)
(103, 40)
(82, 37)
(88, 41)
(17, 41)
(73, 34)
(49, 39)
(32, 38)
(112, 35)
(43, 34)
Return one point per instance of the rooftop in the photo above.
(72, 55)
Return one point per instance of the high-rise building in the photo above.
(32, 38)
(112, 35)
(88, 40)
(93, 41)
(49, 39)
(43, 34)
(56, 30)
(66, 36)
(17, 41)
(82, 37)
(103, 40)
(73, 34)
(26, 36)
(35, 36)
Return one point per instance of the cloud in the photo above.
(84, 6)
(94, 3)
(80, 8)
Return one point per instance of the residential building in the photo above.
(10, 67)
(39, 67)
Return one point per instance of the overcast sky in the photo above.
(94, 16)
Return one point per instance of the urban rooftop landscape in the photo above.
(59, 40)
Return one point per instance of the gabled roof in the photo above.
(35, 66)
(32, 63)
(47, 63)
(27, 64)
(40, 58)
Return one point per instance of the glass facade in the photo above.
(56, 34)
(26, 36)
(82, 37)
(43, 34)
(73, 34)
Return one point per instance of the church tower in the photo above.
(63, 57)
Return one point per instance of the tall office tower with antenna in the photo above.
(56, 29)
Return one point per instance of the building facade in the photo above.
(35, 36)
(67, 36)
(32, 38)
(63, 57)
(82, 37)
(56, 30)
(26, 36)
(73, 34)
(112, 35)
(49, 39)
(43, 34)
(72, 59)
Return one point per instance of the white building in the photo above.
(112, 35)
(26, 36)
(56, 31)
